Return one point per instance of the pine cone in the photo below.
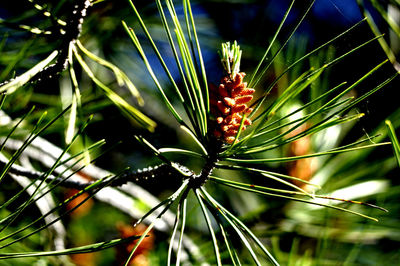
(227, 101)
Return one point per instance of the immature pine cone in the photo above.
(227, 101)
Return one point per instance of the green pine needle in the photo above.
(394, 139)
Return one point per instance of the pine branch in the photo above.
(127, 176)
(32, 174)
(69, 34)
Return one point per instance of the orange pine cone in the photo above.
(227, 101)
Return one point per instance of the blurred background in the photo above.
(296, 233)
